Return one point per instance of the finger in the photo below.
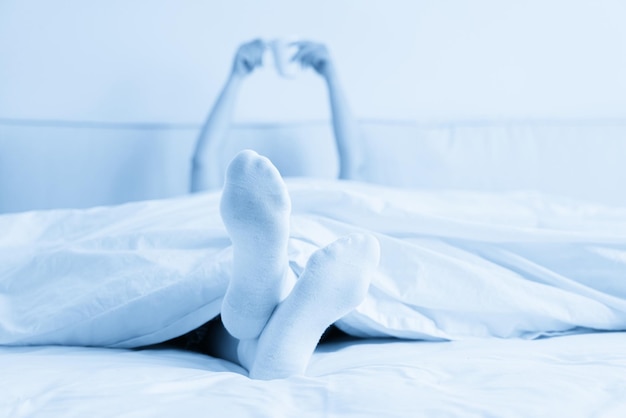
(253, 54)
(308, 61)
(260, 46)
(252, 47)
(302, 51)
(256, 43)
(311, 57)
(259, 59)
(304, 63)
(247, 65)
(245, 55)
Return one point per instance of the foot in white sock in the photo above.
(334, 282)
(255, 208)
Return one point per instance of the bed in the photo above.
(486, 303)
(505, 120)
(577, 376)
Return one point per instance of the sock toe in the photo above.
(333, 283)
(255, 208)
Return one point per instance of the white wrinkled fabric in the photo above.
(572, 376)
(453, 265)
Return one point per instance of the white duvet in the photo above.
(454, 265)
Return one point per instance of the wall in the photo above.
(165, 60)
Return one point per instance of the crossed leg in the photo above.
(279, 323)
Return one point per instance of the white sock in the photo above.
(255, 208)
(334, 282)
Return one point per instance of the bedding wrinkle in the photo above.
(515, 261)
(386, 377)
(529, 237)
(100, 299)
(372, 319)
(453, 265)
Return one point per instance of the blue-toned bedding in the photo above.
(454, 265)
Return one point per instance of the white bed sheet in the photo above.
(571, 376)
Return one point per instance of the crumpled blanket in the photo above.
(454, 265)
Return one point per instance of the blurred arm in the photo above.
(205, 164)
(205, 169)
(347, 136)
(345, 128)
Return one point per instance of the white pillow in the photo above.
(81, 166)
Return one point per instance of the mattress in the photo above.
(573, 376)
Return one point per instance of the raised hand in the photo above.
(248, 57)
(314, 55)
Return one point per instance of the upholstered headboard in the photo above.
(76, 165)
(80, 165)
